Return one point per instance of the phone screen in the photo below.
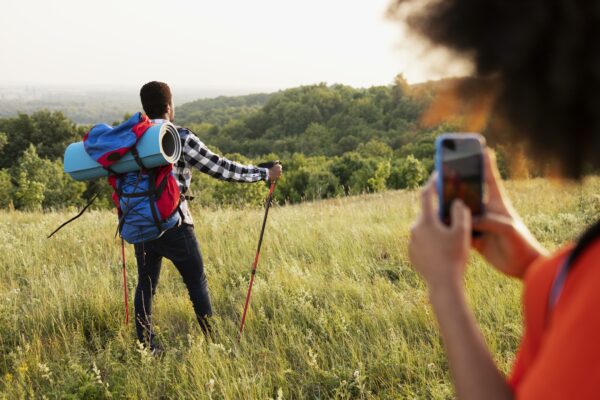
(461, 174)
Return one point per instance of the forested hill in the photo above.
(313, 120)
(95, 104)
(220, 110)
(333, 140)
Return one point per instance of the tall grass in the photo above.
(336, 310)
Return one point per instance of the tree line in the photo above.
(333, 141)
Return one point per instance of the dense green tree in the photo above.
(3, 140)
(237, 129)
(292, 186)
(371, 177)
(344, 167)
(322, 184)
(407, 173)
(6, 189)
(238, 194)
(28, 194)
(51, 132)
(314, 140)
(375, 148)
(57, 189)
(60, 190)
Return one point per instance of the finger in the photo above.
(461, 217)
(433, 180)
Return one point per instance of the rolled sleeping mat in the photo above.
(160, 145)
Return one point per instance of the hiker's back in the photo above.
(147, 199)
(148, 203)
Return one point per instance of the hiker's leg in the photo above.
(191, 267)
(149, 264)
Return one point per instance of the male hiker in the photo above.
(179, 244)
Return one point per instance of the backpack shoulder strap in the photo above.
(75, 217)
(137, 158)
(583, 243)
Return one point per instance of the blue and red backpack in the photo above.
(147, 200)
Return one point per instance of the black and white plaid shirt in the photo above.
(195, 154)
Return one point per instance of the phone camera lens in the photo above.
(449, 144)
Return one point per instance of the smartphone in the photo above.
(459, 166)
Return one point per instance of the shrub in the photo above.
(408, 173)
(6, 189)
(42, 183)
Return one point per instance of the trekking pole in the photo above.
(126, 293)
(262, 231)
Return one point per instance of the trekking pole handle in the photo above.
(269, 164)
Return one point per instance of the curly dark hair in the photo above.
(544, 58)
(156, 97)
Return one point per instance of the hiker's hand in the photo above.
(439, 252)
(275, 172)
(506, 242)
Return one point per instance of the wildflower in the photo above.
(23, 369)
(312, 361)
(218, 347)
(96, 371)
(45, 371)
(144, 352)
(210, 385)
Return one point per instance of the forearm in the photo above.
(234, 172)
(473, 369)
(197, 155)
(223, 169)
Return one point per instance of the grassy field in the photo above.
(336, 310)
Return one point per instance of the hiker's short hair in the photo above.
(542, 58)
(155, 96)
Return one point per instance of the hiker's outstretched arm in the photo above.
(439, 253)
(199, 156)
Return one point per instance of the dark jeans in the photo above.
(181, 247)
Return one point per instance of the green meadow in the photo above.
(336, 310)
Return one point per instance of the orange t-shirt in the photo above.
(559, 355)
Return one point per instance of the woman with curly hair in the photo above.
(541, 59)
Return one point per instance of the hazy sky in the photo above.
(228, 44)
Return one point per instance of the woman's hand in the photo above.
(506, 242)
(439, 252)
